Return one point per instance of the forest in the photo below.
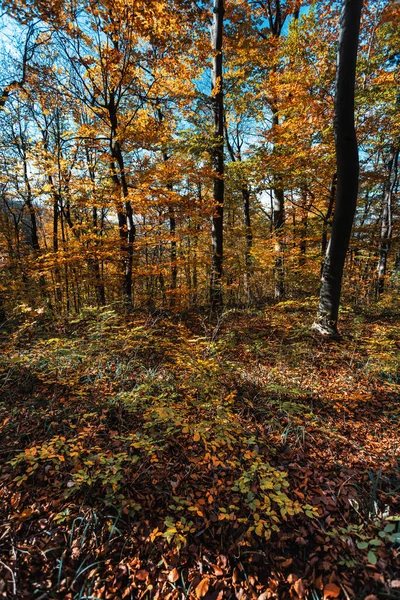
(199, 299)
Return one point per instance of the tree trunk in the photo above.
(249, 240)
(387, 220)
(216, 297)
(303, 229)
(57, 276)
(127, 228)
(347, 171)
(278, 221)
(329, 210)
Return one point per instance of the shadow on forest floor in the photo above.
(171, 457)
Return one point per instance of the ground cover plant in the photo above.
(166, 456)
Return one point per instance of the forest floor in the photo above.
(174, 456)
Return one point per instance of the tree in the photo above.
(347, 171)
(218, 154)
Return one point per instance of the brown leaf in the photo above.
(217, 571)
(235, 575)
(222, 561)
(299, 588)
(286, 563)
(331, 590)
(202, 588)
(141, 575)
(292, 578)
(173, 575)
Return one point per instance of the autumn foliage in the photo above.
(170, 427)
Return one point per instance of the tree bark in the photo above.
(216, 296)
(328, 214)
(278, 222)
(347, 171)
(387, 220)
(245, 189)
(127, 228)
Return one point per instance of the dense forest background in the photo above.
(110, 150)
(178, 418)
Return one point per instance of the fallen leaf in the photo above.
(331, 590)
(141, 575)
(202, 588)
(217, 571)
(286, 563)
(299, 588)
(173, 575)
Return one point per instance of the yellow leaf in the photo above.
(196, 437)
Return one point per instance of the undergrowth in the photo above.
(165, 456)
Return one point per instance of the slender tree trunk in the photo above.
(236, 157)
(249, 240)
(387, 220)
(172, 230)
(216, 296)
(303, 229)
(278, 222)
(57, 277)
(328, 215)
(128, 230)
(173, 255)
(34, 227)
(347, 171)
(95, 265)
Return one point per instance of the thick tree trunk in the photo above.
(347, 171)
(216, 297)
(387, 220)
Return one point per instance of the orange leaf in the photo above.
(173, 575)
(217, 571)
(331, 590)
(202, 588)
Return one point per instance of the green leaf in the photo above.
(372, 558)
(362, 545)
